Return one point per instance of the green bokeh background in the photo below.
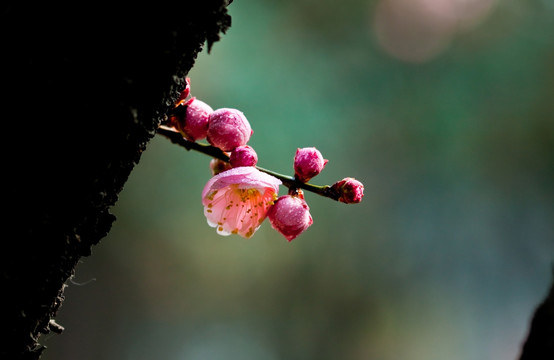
(446, 257)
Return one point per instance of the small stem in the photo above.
(288, 181)
(178, 139)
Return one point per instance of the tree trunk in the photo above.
(539, 344)
(84, 90)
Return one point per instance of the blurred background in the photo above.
(444, 110)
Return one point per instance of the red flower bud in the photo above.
(228, 128)
(290, 215)
(184, 94)
(308, 162)
(243, 155)
(349, 190)
(196, 120)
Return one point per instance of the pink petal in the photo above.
(236, 201)
(245, 177)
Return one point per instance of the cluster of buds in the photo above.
(239, 196)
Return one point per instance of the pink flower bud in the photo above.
(184, 94)
(218, 166)
(243, 155)
(228, 128)
(290, 215)
(349, 190)
(308, 162)
(195, 125)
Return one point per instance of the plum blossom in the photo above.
(190, 116)
(290, 216)
(243, 155)
(184, 94)
(308, 162)
(239, 196)
(195, 125)
(228, 128)
(349, 190)
(236, 201)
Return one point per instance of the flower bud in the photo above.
(349, 190)
(195, 125)
(184, 94)
(228, 128)
(290, 215)
(243, 155)
(218, 166)
(308, 162)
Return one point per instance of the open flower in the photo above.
(236, 201)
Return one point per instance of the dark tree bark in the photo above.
(539, 344)
(83, 91)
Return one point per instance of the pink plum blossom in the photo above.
(290, 215)
(228, 128)
(243, 155)
(236, 201)
(195, 125)
(308, 162)
(184, 94)
(349, 190)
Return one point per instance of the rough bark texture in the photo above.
(83, 90)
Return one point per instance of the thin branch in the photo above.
(289, 181)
